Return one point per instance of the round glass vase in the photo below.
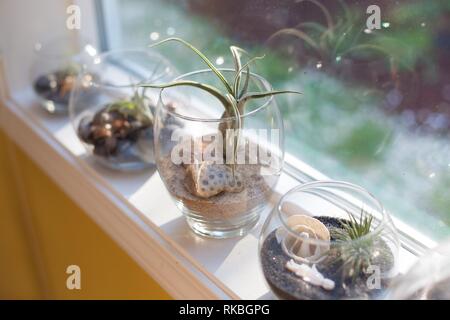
(220, 184)
(428, 278)
(112, 115)
(56, 65)
(328, 240)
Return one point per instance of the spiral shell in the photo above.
(300, 244)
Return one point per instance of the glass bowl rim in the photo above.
(382, 223)
(265, 83)
(147, 52)
(78, 40)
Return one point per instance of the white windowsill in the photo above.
(137, 212)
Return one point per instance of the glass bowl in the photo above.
(111, 114)
(190, 139)
(55, 68)
(328, 240)
(428, 279)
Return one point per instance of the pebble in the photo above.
(110, 131)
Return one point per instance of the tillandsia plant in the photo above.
(117, 125)
(355, 244)
(354, 228)
(233, 96)
(135, 107)
(332, 41)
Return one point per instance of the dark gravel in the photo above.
(50, 87)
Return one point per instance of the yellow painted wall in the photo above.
(18, 277)
(33, 262)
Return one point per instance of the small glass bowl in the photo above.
(428, 279)
(111, 114)
(55, 69)
(306, 253)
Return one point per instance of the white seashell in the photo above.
(310, 275)
(305, 248)
(302, 247)
(298, 220)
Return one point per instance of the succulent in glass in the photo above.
(236, 95)
(329, 240)
(206, 132)
(112, 115)
(118, 124)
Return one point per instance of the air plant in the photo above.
(233, 96)
(354, 228)
(354, 245)
(334, 40)
(136, 107)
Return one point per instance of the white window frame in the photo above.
(181, 275)
(411, 239)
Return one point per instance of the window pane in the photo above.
(375, 108)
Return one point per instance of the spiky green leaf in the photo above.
(203, 57)
(237, 67)
(299, 34)
(247, 81)
(238, 75)
(237, 125)
(210, 89)
(259, 95)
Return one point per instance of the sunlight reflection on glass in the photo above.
(170, 31)
(220, 61)
(154, 36)
(90, 50)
